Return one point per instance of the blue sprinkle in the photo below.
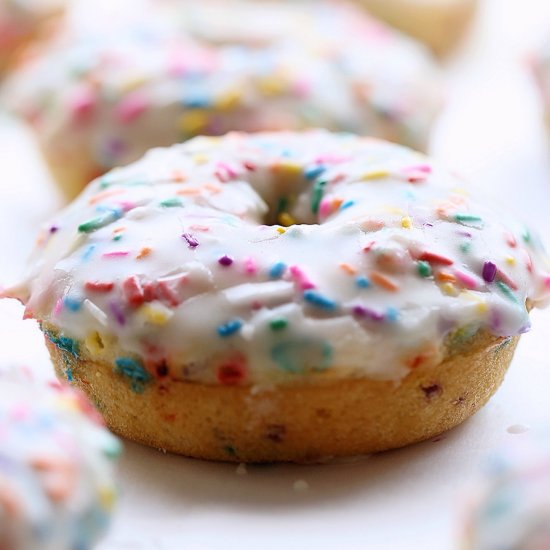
(88, 253)
(72, 304)
(392, 314)
(319, 300)
(230, 328)
(277, 270)
(347, 204)
(64, 343)
(134, 370)
(196, 102)
(313, 172)
(362, 282)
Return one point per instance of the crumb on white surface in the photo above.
(241, 469)
(300, 486)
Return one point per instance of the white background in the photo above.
(492, 133)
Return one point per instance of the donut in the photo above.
(56, 469)
(440, 24)
(20, 23)
(511, 504)
(99, 98)
(282, 296)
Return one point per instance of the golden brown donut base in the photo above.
(295, 423)
(439, 24)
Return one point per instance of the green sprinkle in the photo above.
(170, 203)
(278, 324)
(465, 247)
(526, 235)
(507, 291)
(282, 205)
(424, 269)
(317, 195)
(468, 219)
(99, 222)
(117, 237)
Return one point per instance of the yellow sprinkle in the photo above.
(374, 175)
(272, 86)
(482, 307)
(192, 122)
(406, 222)
(394, 210)
(286, 219)
(281, 230)
(200, 159)
(460, 191)
(107, 497)
(289, 168)
(449, 289)
(94, 343)
(510, 260)
(132, 84)
(156, 313)
(229, 100)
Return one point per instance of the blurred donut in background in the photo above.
(100, 95)
(440, 24)
(510, 508)
(22, 21)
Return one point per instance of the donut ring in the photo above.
(56, 469)
(282, 296)
(97, 100)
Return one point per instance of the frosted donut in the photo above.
(511, 505)
(20, 22)
(100, 99)
(440, 24)
(282, 296)
(56, 469)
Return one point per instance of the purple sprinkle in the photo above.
(362, 311)
(489, 271)
(117, 312)
(54, 228)
(191, 240)
(225, 261)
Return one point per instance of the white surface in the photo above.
(411, 498)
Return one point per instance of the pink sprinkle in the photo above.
(250, 166)
(467, 280)
(250, 266)
(301, 88)
(116, 254)
(58, 307)
(417, 173)
(301, 278)
(82, 103)
(505, 279)
(20, 412)
(547, 282)
(131, 107)
(325, 208)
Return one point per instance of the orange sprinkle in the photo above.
(445, 276)
(213, 187)
(178, 176)
(119, 229)
(144, 252)
(349, 269)
(336, 203)
(381, 280)
(188, 191)
(104, 195)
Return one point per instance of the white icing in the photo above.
(369, 313)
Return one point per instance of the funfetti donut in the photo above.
(283, 296)
(22, 21)
(99, 98)
(510, 506)
(57, 463)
